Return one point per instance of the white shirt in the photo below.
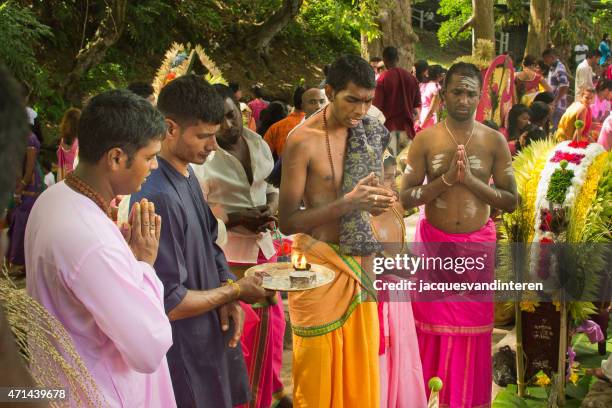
(580, 50)
(226, 188)
(584, 77)
(49, 179)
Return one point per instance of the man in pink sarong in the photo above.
(458, 157)
(96, 279)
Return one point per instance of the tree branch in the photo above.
(265, 32)
(107, 34)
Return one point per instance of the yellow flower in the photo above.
(529, 306)
(557, 305)
(542, 379)
(573, 377)
(586, 196)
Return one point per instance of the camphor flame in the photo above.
(298, 261)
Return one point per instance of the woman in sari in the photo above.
(68, 148)
(430, 99)
(579, 110)
(528, 81)
(29, 187)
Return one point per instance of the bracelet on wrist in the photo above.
(236, 286)
(446, 182)
(23, 183)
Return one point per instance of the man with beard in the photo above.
(332, 164)
(235, 186)
(458, 156)
(201, 297)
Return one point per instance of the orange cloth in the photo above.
(276, 136)
(336, 334)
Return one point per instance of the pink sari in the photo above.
(65, 159)
(455, 336)
(401, 374)
(262, 345)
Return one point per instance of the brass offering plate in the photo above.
(276, 276)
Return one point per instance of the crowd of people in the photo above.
(162, 202)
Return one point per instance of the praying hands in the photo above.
(143, 231)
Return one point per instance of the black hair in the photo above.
(490, 124)
(602, 85)
(529, 60)
(326, 69)
(605, 37)
(543, 67)
(375, 59)
(465, 69)
(420, 68)
(516, 111)
(141, 89)
(234, 86)
(350, 68)
(390, 54)
(546, 97)
(190, 98)
(549, 52)
(538, 111)
(297, 97)
(435, 72)
(117, 118)
(13, 134)
(257, 91)
(226, 92)
(275, 112)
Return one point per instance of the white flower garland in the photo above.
(580, 170)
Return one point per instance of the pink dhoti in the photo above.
(262, 345)
(455, 334)
(401, 375)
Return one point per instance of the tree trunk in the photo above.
(537, 37)
(395, 24)
(559, 14)
(264, 33)
(106, 35)
(482, 24)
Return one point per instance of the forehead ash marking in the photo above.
(468, 82)
(509, 170)
(408, 169)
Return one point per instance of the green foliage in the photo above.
(516, 14)
(20, 34)
(575, 27)
(458, 12)
(602, 19)
(337, 24)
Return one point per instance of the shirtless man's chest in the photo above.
(322, 184)
(458, 209)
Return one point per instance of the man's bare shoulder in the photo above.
(304, 133)
(427, 136)
(491, 134)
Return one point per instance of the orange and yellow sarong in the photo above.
(336, 334)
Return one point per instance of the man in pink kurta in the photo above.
(81, 269)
